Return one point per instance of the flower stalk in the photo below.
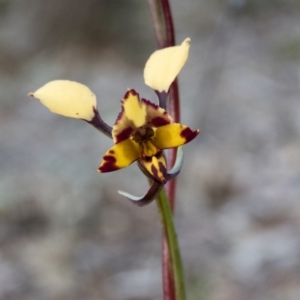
(157, 16)
(172, 244)
(165, 37)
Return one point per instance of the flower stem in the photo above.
(170, 32)
(165, 37)
(172, 242)
(158, 22)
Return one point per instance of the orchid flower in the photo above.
(142, 131)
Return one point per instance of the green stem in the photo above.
(163, 205)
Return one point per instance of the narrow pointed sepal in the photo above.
(147, 198)
(177, 165)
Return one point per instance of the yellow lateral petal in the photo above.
(120, 155)
(164, 65)
(173, 135)
(67, 98)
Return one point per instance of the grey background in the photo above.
(65, 233)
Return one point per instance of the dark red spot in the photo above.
(124, 135)
(111, 152)
(155, 172)
(159, 121)
(147, 158)
(162, 169)
(120, 115)
(147, 102)
(132, 92)
(188, 134)
(109, 164)
(159, 154)
(109, 158)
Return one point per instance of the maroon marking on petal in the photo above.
(155, 172)
(188, 134)
(159, 121)
(111, 152)
(147, 102)
(159, 154)
(109, 164)
(132, 92)
(120, 115)
(126, 95)
(163, 170)
(146, 158)
(124, 135)
(109, 158)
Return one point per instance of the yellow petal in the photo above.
(120, 155)
(67, 98)
(132, 116)
(164, 65)
(156, 166)
(134, 109)
(173, 135)
(156, 116)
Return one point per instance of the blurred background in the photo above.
(65, 232)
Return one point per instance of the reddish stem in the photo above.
(174, 110)
(169, 26)
(157, 20)
(173, 107)
(167, 274)
(167, 40)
